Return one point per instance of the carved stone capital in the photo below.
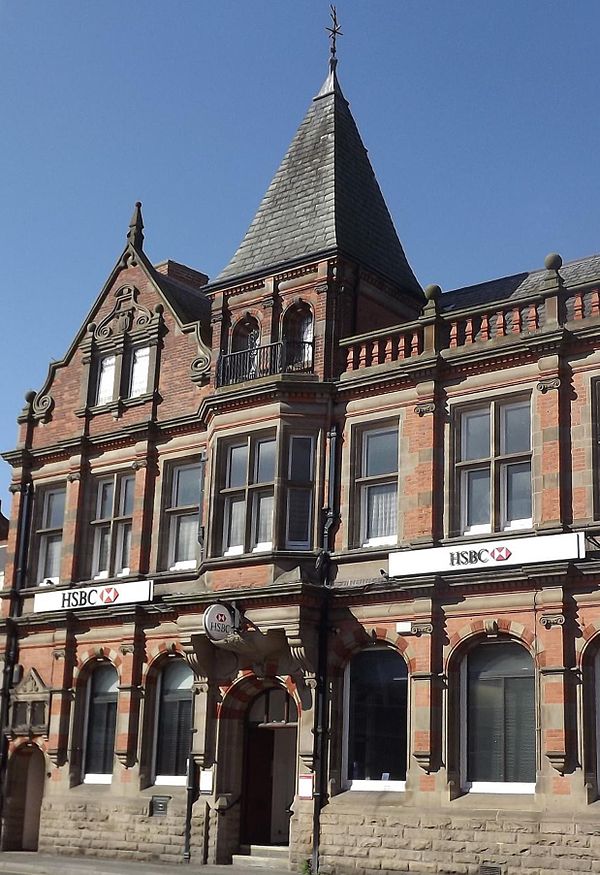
(548, 383)
(126, 649)
(550, 620)
(425, 407)
(321, 288)
(59, 653)
(139, 463)
(74, 477)
(419, 628)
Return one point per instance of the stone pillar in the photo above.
(128, 708)
(72, 522)
(418, 474)
(61, 697)
(546, 477)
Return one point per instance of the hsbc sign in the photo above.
(101, 596)
(488, 554)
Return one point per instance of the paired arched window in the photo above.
(173, 722)
(498, 718)
(100, 720)
(376, 720)
(298, 338)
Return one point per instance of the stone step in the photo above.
(281, 852)
(263, 857)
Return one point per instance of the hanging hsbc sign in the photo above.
(104, 595)
(483, 555)
(220, 621)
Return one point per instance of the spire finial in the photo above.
(334, 31)
(135, 235)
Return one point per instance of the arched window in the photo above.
(101, 718)
(243, 363)
(376, 720)
(298, 338)
(498, 706)
(174, 723)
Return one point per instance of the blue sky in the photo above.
(481, 119)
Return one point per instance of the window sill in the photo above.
(117, 405)
(170, 781)
(230, 561)
(97, 779)
(377, 786)
(499, 787)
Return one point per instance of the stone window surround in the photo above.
(357, 511)
(39, 533)
(494, 403)
(121, 333)
(168, 511)
(282, 432)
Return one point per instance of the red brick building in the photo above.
(392, 492)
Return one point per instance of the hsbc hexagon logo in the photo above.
(108, 595)
(500, 554)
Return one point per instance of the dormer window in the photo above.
(122, 354)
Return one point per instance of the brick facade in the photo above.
(379, 359)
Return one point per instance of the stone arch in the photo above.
(90, 655)
(466, 637)
(246, 332)
(353, 639)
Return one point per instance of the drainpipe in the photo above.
(11, 650)
(321, 730)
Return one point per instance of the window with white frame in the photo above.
(173, 723)
(105, 383)
(183, 514)
(299, 489)
(377, 486)
(498, 719)
(111, 525)
(100, 722)
(137, 372)
(493, 467)
(375, 725)
(247, 495)
(49, 534)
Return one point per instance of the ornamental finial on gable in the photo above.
(135, 234)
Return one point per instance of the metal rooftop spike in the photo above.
(135, 234)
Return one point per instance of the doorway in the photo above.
(23, 803)
(269, 768)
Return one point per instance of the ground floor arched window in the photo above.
(376, 707)
(498, 716)
(174, 722)
(101, 718)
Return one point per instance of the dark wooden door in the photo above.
(258, 786)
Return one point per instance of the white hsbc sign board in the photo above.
(104, 595)
(483, 555)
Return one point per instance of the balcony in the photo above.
(283, 357)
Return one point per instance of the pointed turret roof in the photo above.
(324, 199)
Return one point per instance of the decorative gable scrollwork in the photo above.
(127, 315)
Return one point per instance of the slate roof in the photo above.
(324, 198)
(190, 305)
(520, 285)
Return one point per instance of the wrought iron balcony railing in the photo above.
(263, 361)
